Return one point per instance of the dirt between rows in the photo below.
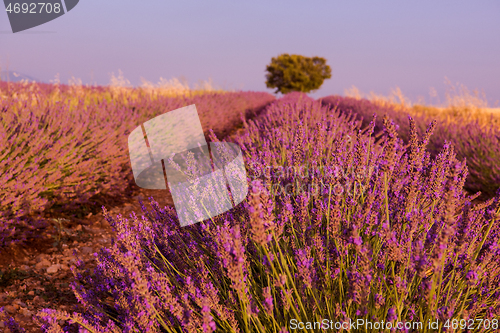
(37, 274)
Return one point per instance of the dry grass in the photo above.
(119, 88)
(170, 88)
(461, 105)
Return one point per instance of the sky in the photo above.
(375, 45)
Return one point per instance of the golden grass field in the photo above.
(461, 105)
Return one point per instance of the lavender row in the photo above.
(392, 237)
(479, 145)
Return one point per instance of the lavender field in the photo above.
(349, 216)
(63, 145)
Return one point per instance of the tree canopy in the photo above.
(294, 72)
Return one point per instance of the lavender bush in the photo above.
(475, 140)
(61, 146)
(373, 230)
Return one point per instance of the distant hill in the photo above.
(14, 76)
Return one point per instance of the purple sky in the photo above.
(374, 45)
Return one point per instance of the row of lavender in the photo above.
(478, 144)
(60, 149)
(367, 228)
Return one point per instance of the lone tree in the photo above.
(294, 72)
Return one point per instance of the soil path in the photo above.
(37, 275)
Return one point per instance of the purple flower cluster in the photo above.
(407, 244)
(472, 141)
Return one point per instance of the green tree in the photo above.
(294, 72)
